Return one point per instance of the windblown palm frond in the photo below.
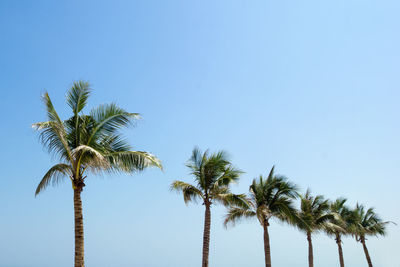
(190, 192)
(235, 214)
(54, 176)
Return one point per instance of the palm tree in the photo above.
(366, 223)
(338, 224)
(213, 175)
(313, 217)
(87, 143)
(269, 198)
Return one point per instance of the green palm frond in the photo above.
(54, 176)
(229, 175)
(230, 199)
(109, 119)
(91, 158)
(77, 98)
(235, 214)
(78, 95)
(190, 192)
(132, 161)
(53, 134)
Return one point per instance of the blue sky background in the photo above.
(310, 86)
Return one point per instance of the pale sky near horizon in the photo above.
(310, 86)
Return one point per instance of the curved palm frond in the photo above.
(131, 161)
(110, 118)
(90, 158)
(53, 134)
(190, 192)
(230, 199)
(230, 175)
(54, 176)
(235, 214)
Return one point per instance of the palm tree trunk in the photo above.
(366, 252)
(339, 243)
(310, 251)
(267, 248)
(79, 248)
(206, 235)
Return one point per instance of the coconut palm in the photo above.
(85, 144)
(366, 223)
(213, 174)
(313, 216)
(269, 198)
(338, 224)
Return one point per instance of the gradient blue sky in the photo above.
(310, 86)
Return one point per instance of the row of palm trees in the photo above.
(93, 143)
(273, 197)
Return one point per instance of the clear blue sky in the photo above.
(310, 86)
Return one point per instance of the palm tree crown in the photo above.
(314, 213)
(271, 197)
(88, 142)
(365, 222)
(213, 175)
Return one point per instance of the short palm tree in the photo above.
(313, 216)
(87, 143)
(366, 223)
(338, 224)
(269, 198)
(213, 174)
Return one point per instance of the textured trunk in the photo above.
(206, 235)
(339, 243)
(310, 251)
(267, 248)
(366, 252)
(79, 248)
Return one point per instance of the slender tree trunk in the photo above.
(366, 252)
(339, 243)
(79, 245)
(206, 235)
(310, 251)
(267, 248)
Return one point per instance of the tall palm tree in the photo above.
(338, 224)
(269, 198)
(213, 174)
(366, 223)
(313, 217)
(87, 143)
